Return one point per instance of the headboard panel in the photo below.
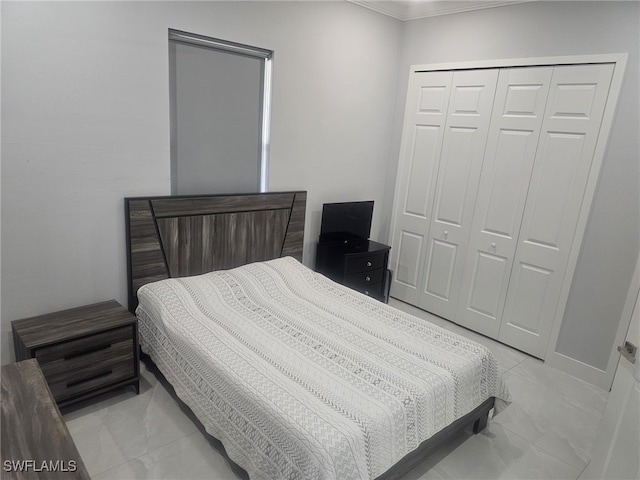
(182, 236)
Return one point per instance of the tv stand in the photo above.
(357, 263)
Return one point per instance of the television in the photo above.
(345, 221)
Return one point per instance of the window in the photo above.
(220, 113)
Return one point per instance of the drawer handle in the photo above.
(368, 264)
(367, 278)
(87, 351)
(88, 379)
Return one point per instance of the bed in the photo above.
(297, 376)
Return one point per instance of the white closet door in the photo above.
(570, 129)
(517, 116)
(465, 137)
(420, 153)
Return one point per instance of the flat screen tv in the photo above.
(346, 221)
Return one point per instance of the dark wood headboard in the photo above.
(188, 235)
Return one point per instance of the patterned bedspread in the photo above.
(302, 378)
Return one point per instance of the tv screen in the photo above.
(346, 221)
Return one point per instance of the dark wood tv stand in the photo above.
(360, 264)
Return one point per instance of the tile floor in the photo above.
(546, 433)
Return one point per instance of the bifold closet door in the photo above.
(492, 185)
(516, 121)
(555, 198)
(427, 103)
(465, 136)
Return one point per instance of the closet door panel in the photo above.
(457, 170)
(555, 190)
(570, 129)
(423, 155)
(516, 121)
(485, 296)
(442, 257)
(533, 288)
(465, 135)
(423, 132)
(409, 247)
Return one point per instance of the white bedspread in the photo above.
(300, 377)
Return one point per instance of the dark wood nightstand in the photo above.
(83, 351)
(361, 265)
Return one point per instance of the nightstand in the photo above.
(83, 351)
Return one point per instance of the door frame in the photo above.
(607, 447)
(576, 368)
(596, 376)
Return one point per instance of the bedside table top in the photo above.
(75, 322)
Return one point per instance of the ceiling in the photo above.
(414, 9)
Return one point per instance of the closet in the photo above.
(492, 184)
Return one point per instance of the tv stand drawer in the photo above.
(370, 277)
(364, 262)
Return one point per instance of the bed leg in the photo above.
(481, 423)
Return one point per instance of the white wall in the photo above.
(539, 29)
(85, 107)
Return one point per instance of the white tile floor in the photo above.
(546, 433)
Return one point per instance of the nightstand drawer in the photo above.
(84, 364)
(89, 378)
(86, 349)
(363, 278)
(363, 263)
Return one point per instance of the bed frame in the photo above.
(188, 235)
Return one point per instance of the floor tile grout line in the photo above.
(580, 469)
(513, 366)
(559, 391)
(584, 469)
(105, 425)
(145, 453)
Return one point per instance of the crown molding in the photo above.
(415, 9)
